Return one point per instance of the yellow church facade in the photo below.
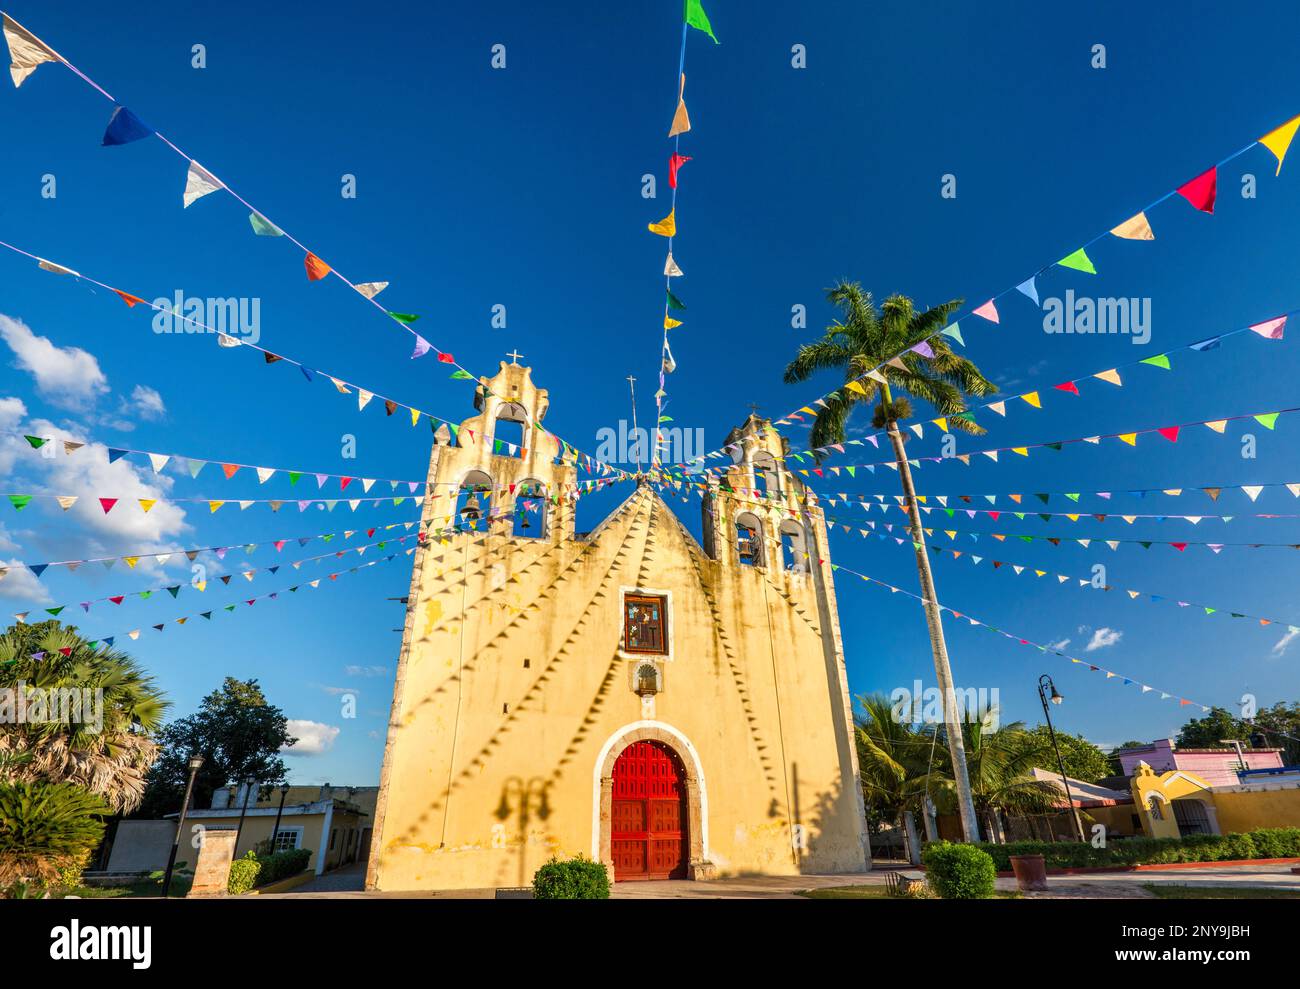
(676, 709)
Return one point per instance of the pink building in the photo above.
(1218, 767)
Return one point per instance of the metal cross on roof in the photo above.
(514, 355)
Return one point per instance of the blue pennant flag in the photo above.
(125, 127)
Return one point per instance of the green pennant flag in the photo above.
(36, 441)
(1053, 446)
(19, 501)
(293, 477)
(1160, 360)
(404, 317)
(461, 375)
(698, 19)
(1079, 261)
(264, 227)
(54, 611)
(1041, 497)
(1267, 420)
(675, 303)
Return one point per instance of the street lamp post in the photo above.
(1044, 684)
(284, 792)
(196, 763)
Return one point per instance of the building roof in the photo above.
(1085, 794)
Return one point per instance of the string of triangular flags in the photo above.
(1269, 329)
(1129, 438)
(1199, 191)
(201, 585)
(565, 452)
(107, 641)
(1079, 582)
(1213, 492)
(994, 514)
(1127, 681)
(27, 52)
(194, 465)
(133, 560)
(693, 16)
(21, 501)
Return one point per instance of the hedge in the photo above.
(959, 872)
(1265, 843)
(577, 879)
(252, 871)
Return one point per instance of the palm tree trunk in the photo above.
(913, 841)
(942, 671)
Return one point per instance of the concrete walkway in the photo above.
(1128, 885)
(744, 888)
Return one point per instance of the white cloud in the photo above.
(1058, 645)
(68, 376)
(1102, 638)
(20, 584)
(314, 738)
(365, 671)
(1281, 645)
(146, 403)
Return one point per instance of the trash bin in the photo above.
(1031, 873)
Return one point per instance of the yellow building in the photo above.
(669, 708)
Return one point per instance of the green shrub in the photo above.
(959, 872)
(575, 879)
(46, 828)
(243, 874)
(282, 865)
(1264, 843)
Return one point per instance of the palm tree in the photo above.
(894, 764)
(861, 342)
(108, 758)
(1001, 761)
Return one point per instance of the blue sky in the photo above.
(522, 187)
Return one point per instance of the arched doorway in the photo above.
(649, 822)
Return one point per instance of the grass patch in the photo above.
(1168, 891)
(877, 892)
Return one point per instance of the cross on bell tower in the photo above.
(514, 355)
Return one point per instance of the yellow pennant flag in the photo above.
(669, 322)
(1279, 140)
(214, 505)
(147, 503)
(415, 416)
(1022, 450)
(854, 386)
(1135, 228)
(131, 561)
(667, 227)
(1032, 399)
(1129, 438)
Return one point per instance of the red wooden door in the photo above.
(648, 822)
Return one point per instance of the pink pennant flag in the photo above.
(988, 311)
(1201, 190)
(1271, 329)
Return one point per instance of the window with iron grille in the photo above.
(645, 624)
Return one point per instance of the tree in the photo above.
(105, 745)
(1000, 763)
(1083, 760)
(239, 736)
(1272, 727)
(46, 827)
(858, 344)
(894, 763)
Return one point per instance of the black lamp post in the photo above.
(1044, 684)
(284, 792)
(196, 763)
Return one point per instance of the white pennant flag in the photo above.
(159, 461)
(670, 267)
(199, 182)
(371, 289)
(264, 474)
(363, 398)
(58, 269)
(26, 51)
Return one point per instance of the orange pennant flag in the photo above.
(1135, 228)
(128, 298)
(316, 268)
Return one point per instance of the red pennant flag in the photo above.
(1169, 432)
(446, 359)
(1201, 190)
(230, 469)
(344, 482)
(1179, 546)
(66, 650)
(1069, 386)
(128, 298)
(107, 504)
(316, 268)
(119, 599)
(674, 163)
(390, 406)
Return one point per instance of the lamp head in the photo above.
(196, 762)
